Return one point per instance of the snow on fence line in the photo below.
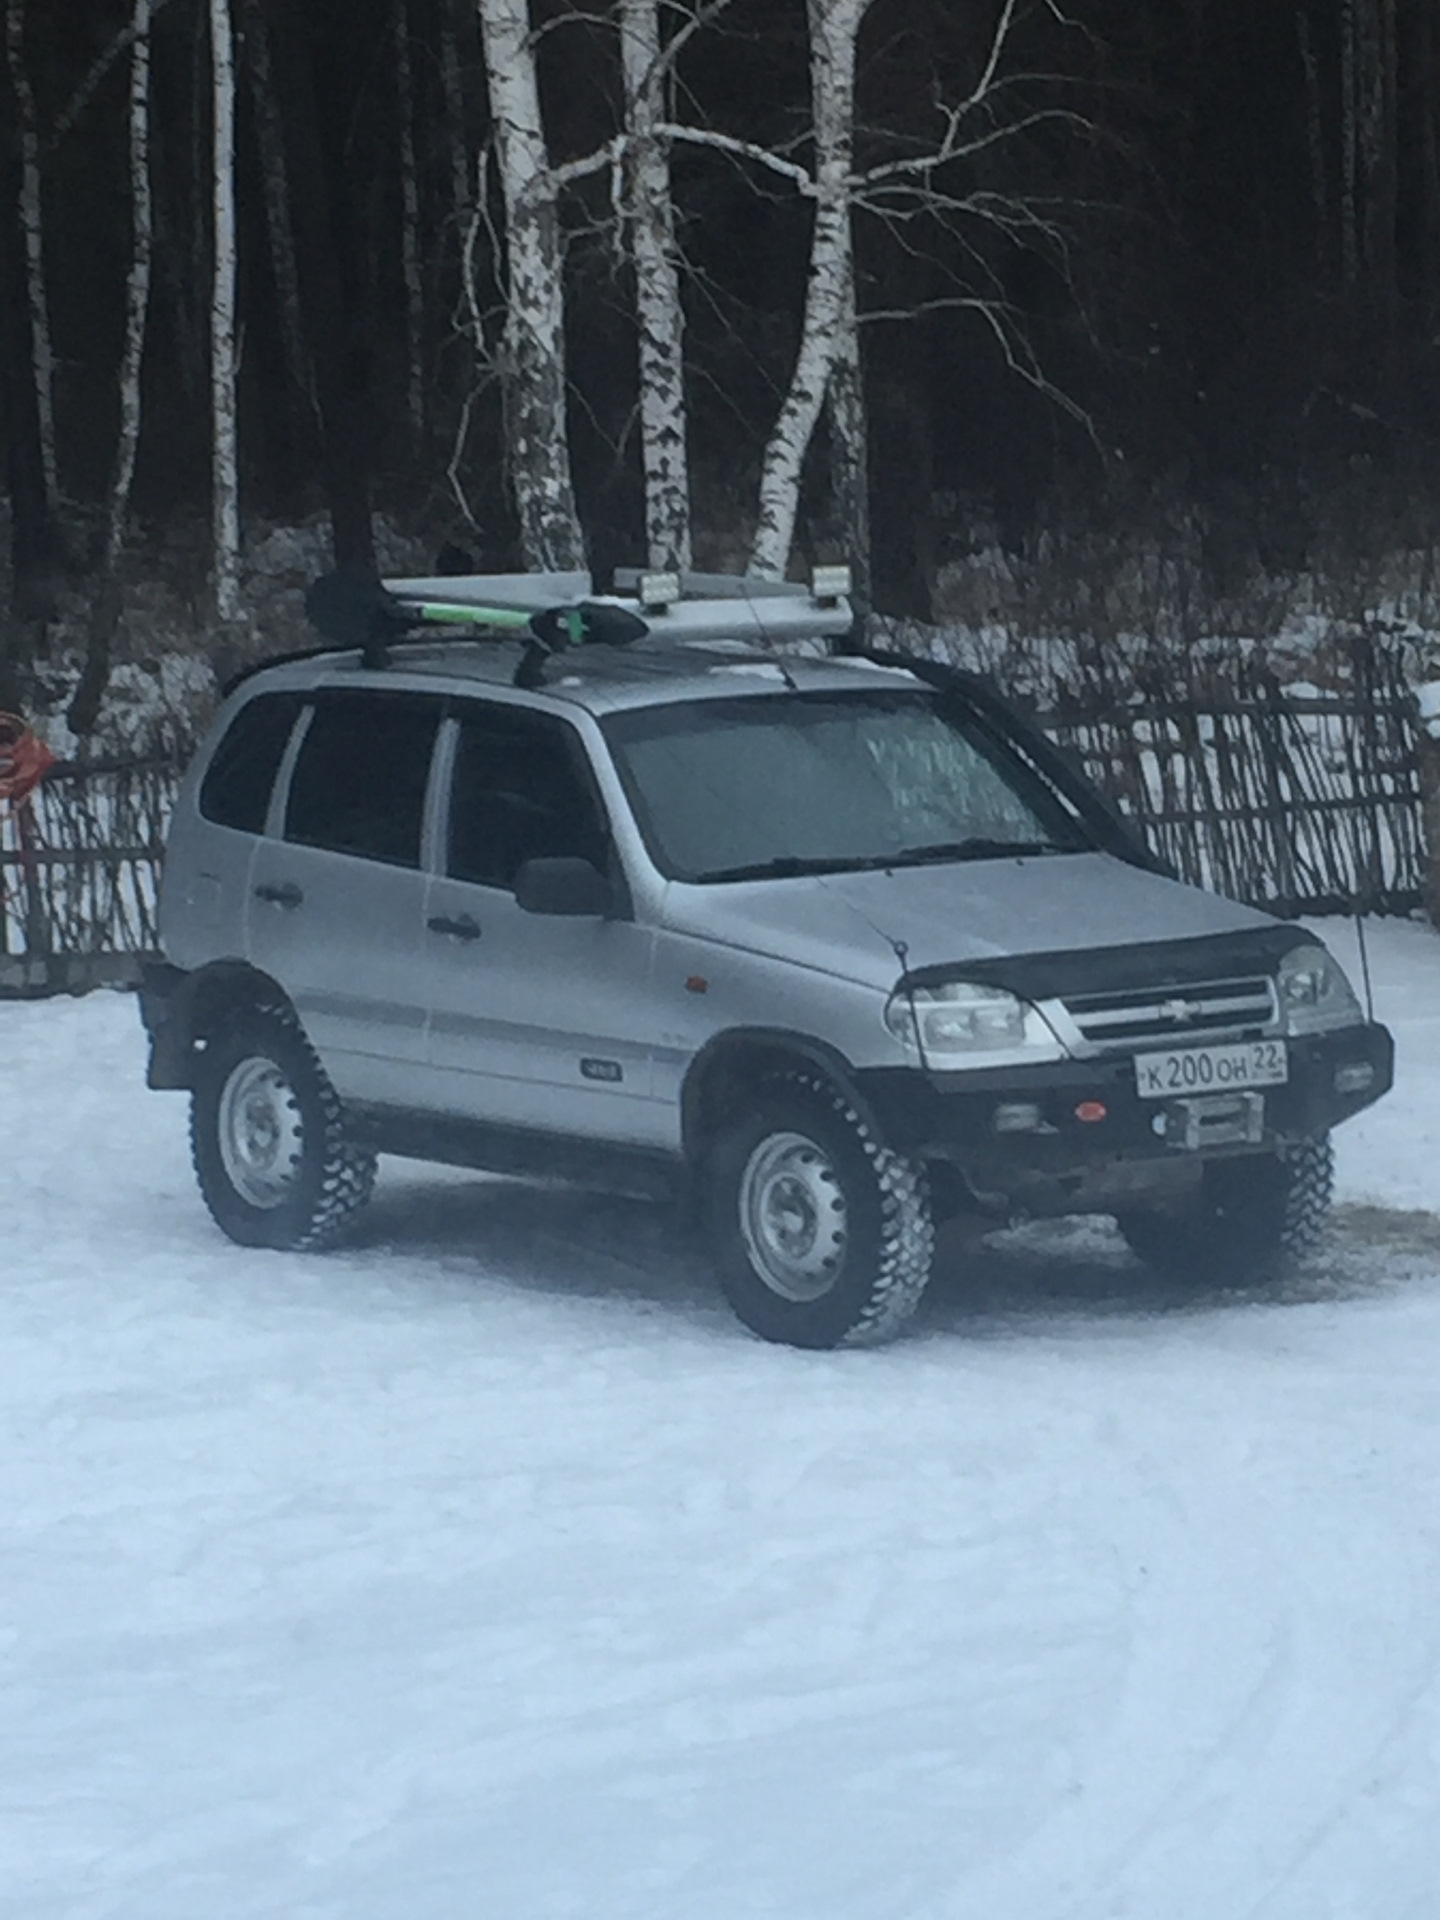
(1295, 799)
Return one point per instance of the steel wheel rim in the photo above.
(260, 1134)
(793, 1217)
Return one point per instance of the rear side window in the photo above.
(360, 776)
(236, 789)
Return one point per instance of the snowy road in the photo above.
(488, 1568)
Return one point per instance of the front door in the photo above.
(536, 1021)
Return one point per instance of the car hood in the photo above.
(855, 925)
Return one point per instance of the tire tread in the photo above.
(346, 1176)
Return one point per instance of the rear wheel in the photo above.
(821, 1235)
(1254, 1218)
(275, 1162)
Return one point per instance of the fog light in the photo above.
(1018, 1117)
(1359, 1077)
(1091, 1110)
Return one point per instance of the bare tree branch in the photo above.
(65, 121)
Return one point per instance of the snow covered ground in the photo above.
(489, 1568)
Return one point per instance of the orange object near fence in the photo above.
(24, 759)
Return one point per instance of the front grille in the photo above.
(1237, 1009)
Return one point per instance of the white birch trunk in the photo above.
(225, 483)
(137, 285)
(830, 290)
(32, 221)
(410, 229)
(850, 451)
(533, 350)
(659, 313)
(105, 609)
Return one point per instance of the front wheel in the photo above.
(822, 1236)
(276, 1165)
(1254, 1218)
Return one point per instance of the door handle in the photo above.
(462, 929)
(287, 895)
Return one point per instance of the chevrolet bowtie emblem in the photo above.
(1179, 1010)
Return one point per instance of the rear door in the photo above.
(337, 900)
(536, 1021)
(216, 828)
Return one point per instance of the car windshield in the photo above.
(777, 785)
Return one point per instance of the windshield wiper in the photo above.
(975, 848)
(787, 866)
(790, 866)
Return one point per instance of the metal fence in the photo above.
(1298, 801)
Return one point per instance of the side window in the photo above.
(236, 789)
(360, 776)
(518, 793)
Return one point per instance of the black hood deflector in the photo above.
(1161, 964)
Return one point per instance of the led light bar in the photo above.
(659, 591)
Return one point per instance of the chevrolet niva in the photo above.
(650, 892)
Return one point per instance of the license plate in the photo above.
(1185, 1070)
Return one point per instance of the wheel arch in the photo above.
(195, 1009)
(734, 1062)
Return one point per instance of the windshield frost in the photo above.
(727, 789)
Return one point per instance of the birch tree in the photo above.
(659, 313)
(410, 229)
(105, 612)
(943, 182)
(32, 219)
(830, 286)
(532, 352)
(224, 468)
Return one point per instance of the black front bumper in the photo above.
(1090, 1111)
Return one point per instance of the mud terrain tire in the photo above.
(275, 1162)
(1256, 1218)
(822, 1236)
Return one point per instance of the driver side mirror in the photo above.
(564, 885)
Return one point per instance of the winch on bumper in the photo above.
(1065, 1135)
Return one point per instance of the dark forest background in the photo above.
(1232, 320)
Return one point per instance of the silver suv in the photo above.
(632, 893)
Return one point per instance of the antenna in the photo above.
(902, 954)
(767, 636)
(1364, 945)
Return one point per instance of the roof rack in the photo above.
(684, 609)
(553, 612)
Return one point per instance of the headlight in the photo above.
(963, 1017)
(1314, 993)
